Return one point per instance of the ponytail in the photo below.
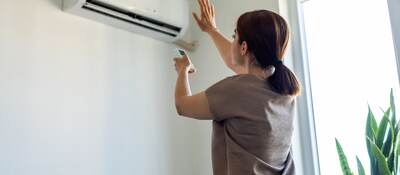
(284, 81)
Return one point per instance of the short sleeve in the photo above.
(224, 99)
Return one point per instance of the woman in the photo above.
(252, 111)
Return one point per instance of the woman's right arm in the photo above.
(207, 24)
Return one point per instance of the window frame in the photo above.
(394, 13)
(305, 109)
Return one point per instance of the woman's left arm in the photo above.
(188, 105)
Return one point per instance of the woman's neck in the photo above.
(256, 70)
(251, 67)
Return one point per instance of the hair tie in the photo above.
(278, 63)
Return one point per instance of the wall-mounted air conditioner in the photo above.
(165, 20)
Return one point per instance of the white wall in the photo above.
(298, 142)
(78, 97)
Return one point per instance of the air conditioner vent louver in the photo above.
(152, 18)
(127, 16)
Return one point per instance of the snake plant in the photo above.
(382, 141)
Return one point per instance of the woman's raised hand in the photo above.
(207, 20)
(184, 64)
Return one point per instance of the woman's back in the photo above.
(252, 129)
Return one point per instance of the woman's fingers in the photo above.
(213, 10)
(198, 20)
(186, 59)
(207, 2)
(207, 8)
(192, 70)
(205, 20)
(184, 62)
(202, 7)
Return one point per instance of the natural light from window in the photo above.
(352, 64)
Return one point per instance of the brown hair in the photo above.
(267, 36)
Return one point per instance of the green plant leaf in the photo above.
(372, 159)
(382, 129)
(397, 153)
(391, 162)
(393, 158)
(393, 107)
(372, 122)
(382, 165)
(361, 170)
(343, 159)
(370, 131)
(389, 141)
(396, 148)
(388, 148)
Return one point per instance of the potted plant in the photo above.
(383, 144)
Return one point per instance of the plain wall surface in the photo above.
(80, 98)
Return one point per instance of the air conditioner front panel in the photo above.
(170, 11)
(133, 20)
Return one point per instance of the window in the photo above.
(351, 62)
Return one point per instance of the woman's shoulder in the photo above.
(232, 81)
(242, 83)
(243, 77)
(249, 83)
(246, 80)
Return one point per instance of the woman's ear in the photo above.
(243, 48)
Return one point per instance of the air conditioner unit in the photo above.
(166, 20)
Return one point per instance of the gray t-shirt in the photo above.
(252, 127)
